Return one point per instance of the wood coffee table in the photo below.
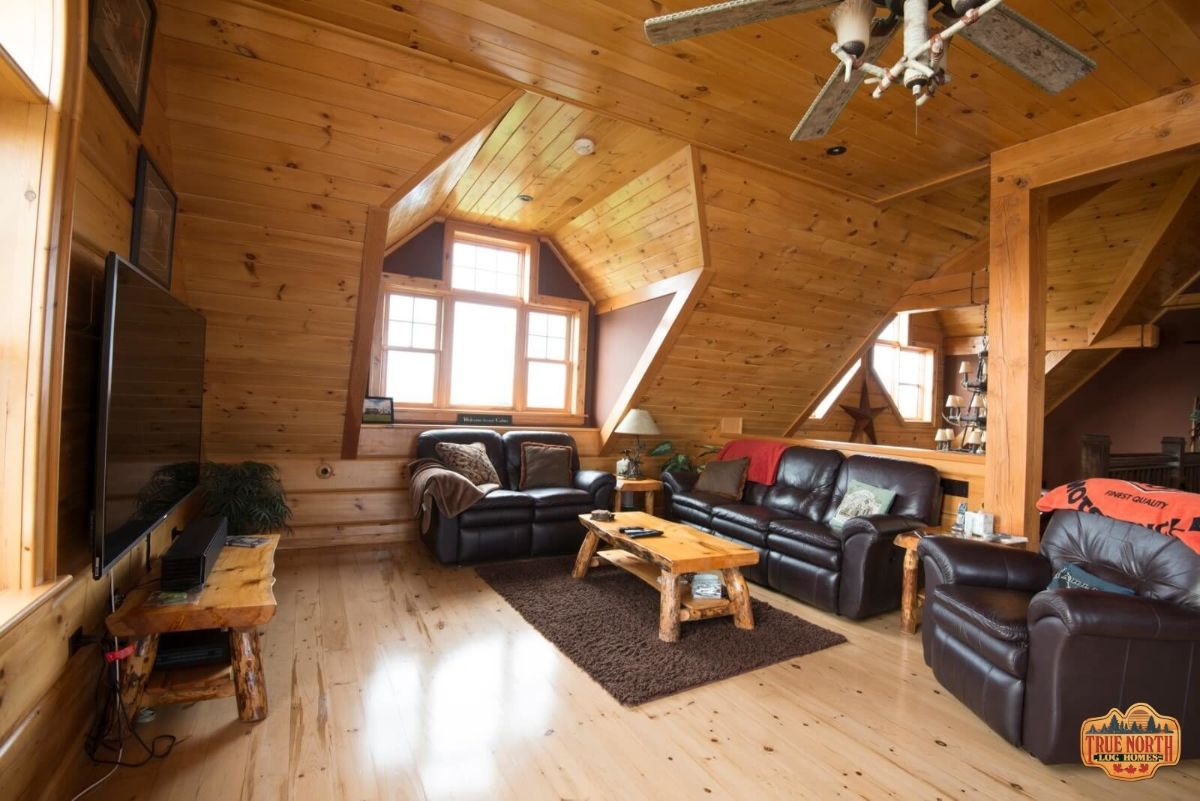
(662, 562)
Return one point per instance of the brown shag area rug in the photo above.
(608, 625)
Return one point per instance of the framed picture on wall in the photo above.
(378, 410)
(154, 206)
(119, 38)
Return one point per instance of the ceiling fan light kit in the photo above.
(861, 39)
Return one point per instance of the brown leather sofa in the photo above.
(1035, 663)
(508, 523)
(855, 572)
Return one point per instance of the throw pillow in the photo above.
(545, 465)
(862, 500)
(725, 478)
(1074, 577)
(470, 461)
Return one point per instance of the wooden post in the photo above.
(249, 684)
(739, 597)
(1017, 354)
(668, 610)
(1172, 448)
(1093, 460)
(583, 561)
(135, 672)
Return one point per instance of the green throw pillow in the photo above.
(862, 500)
(1074, 577)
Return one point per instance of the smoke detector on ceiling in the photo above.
(584, 146)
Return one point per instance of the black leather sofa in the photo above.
(1035, 663)
(508, 523)
(854, 572)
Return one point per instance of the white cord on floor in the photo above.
(112, 597)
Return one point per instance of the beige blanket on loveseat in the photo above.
(431, 482)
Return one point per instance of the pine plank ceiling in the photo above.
(742, 91)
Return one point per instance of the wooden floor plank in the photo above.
(390, 677)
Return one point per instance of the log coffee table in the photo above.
(662, 562)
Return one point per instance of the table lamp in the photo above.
(637, 422)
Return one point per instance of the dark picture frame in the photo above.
(152, 245)
(378, 410)
(120, 38)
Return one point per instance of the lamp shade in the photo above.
(964, 368)
(974, 437)
(852, 23)
(955, 402)
(639, 422)
(943, 435)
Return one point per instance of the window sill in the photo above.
(17, 605)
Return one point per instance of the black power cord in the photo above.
(113, 729)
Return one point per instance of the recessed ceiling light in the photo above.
(525, 198)
(836, 150)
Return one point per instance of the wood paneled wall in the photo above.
(283, 134)
(644, 232)
(800, 278)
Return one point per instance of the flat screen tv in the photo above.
(151, 385)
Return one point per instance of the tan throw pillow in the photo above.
(470, 461)
(545, 465)
(726, 478)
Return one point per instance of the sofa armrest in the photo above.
(679, 480)
(594, 481)
(880, 526)
(1106, 614)
(983, 564)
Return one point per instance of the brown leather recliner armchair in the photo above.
(1035, 663)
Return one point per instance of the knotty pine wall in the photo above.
(283, 133)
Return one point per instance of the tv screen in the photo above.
(150, 396)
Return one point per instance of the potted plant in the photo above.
(249, 494)
(679, 461)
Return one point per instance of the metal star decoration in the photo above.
(864, 415)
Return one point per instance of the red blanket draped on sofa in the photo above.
(764, 457)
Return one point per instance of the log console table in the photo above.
(238, 596)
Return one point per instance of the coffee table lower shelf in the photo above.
(689, 608)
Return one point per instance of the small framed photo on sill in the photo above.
(378, 410)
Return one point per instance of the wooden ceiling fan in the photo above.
(1027, 48)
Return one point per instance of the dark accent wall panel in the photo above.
(419, 257)
(554, 279)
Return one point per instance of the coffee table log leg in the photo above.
(910, 606)
(668, 611)
(648, 500)
(249, 683)
(135, 672)
(587, 551)
(739, 597)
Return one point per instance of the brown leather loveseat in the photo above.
(1035, 663)
(855, 572)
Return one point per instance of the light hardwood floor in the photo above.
(390, 677)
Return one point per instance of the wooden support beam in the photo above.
(1016, 355)
(1130, 336)
(1054, 358)
(1172, 219)
(1187, 300)
(369, 280)
(1063, 205)
(945, 292)
(1161, 132)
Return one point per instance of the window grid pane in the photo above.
(410, 349)
(483, 268)
(483, 355)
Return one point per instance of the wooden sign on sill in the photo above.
(485, 419)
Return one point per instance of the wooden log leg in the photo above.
(739, 597)
(668, 611)
(135, 672)
(910, 608)
(616, 500)
(648, 495)
(249, 684)
(587, 552)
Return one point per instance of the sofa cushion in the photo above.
(498, 508)
(503, 499)
(512, 442)
(862, 500)
(428, 441)
(559, 496)
(726, 478)
(744, 514)
(701, 501)
(817, 534)
(469, 460)
(1000, 613)
(1074, 577)
(805, 551)
(805, 482)
(545, 465)
(917, 486)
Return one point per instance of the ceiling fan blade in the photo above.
(832, 100)
(1026, 47)
(723, 16)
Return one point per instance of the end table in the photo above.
(646, 486)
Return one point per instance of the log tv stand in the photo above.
(238, 596)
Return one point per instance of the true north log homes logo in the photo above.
(1130, 746)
